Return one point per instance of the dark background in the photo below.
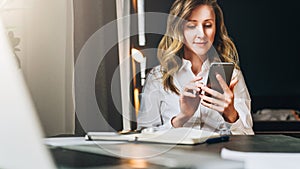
(266, 34)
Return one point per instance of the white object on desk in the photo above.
(182, 135)
(262, 160)
(72, 141)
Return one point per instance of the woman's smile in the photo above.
(200, 43)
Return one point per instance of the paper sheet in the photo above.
(262, 160)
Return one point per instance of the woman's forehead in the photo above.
(202, 13)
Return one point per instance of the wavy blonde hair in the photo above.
(170, 48)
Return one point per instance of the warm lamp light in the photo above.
(140, 58)
(136, 100)
(141, 22)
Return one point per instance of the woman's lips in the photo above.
(200, 43)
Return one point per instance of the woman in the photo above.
(195, 37)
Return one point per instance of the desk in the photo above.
(202, 155)
(256, 143)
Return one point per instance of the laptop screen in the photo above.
(21, 142)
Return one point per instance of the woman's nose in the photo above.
(200, 32)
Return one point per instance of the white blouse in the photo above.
(158, 106)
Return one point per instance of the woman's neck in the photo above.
(197, 61)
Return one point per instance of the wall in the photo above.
(41, 33)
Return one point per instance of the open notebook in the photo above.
(21, 141)
(182, 135)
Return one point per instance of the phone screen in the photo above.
(224, 69)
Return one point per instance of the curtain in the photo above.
(41, 33)
(123, 12)
(95, 108)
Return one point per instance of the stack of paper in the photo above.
(257, 160)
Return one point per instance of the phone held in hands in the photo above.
(225, 69)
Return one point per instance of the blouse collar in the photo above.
(186, 64)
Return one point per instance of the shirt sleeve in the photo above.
(242, 104)
(149, 115)
(154, 111)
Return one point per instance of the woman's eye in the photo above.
(191, 26)
(208, 25)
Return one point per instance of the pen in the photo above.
(218, 139)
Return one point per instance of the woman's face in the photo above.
(199, 30)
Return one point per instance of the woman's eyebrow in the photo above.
(191, 20)
(194, 20)
(209, 20)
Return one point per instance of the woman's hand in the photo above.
(189, 102)
(223, 103)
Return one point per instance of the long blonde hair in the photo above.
(170, 48)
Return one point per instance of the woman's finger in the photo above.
(191, 87)
(222, 83)
(212, 106)
(197, 78)
(189, 94)
(212, 100)
(212, 92)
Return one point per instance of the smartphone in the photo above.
(225, 69)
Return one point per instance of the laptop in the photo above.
(22, 138)
(21, 141)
